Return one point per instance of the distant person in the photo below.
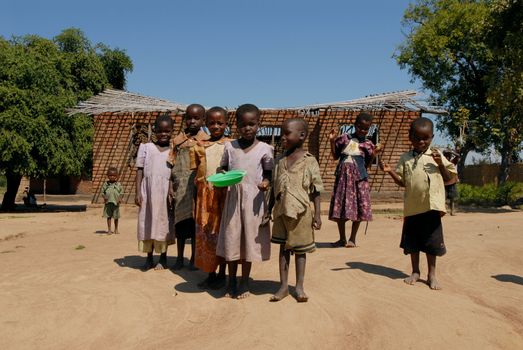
(451, 187)
(112, 192)
(153, 196)
(244, 235)
(210, 199)
(29, 198)
(350, 198)
(182, 180)
(422, 171)
(296, 182)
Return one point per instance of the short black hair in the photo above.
(112, 169)
(219, 110)
(246, 108)
(421, 122)
(194, 105)
(163, 118)
(364, 117)
(302, 122)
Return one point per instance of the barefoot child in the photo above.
(350, 198)
(243, 236)
(296, 182)
(422, 171)
(152, 194)
(112, 192)
(183, 179)
(209, 200)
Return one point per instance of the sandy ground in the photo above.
(54, 296)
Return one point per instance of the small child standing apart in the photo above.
(244, 234)
(296, 182)
(183, 179)
(112, 192)
(153, 195)
(422, 171)
(209, 199)
(351, 194)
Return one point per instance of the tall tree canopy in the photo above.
(39, 79)
(467, 53)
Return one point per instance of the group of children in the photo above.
(231, 226)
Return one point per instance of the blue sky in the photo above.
(271, 53)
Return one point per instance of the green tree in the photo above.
(445, 49)
(39, 79)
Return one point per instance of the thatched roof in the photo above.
(123, 101)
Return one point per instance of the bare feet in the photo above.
(433, 283)
(412, 278)
(280, 294)
(350, 244)
(217, 283)
(148, 264)
(243, 290)
(232, 290)
(109, 232)
(191, 266)
(178, 265)
(301, 297)
(116, 232)
(159, 266)
(339, 243)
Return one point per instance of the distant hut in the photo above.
(123, 120)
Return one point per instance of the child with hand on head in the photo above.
(153, 196)
(112, 192)
(350, 198)
(182, 179)
(422, 171)
(206, 158)
(296, 182)
(244, 235)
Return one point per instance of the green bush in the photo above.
(490, 194)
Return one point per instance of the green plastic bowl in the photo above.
(228, 178)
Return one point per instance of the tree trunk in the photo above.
(13, 182)
(463, 152)
(506, 155)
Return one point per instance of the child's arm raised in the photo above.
(387, 168)
(332, 138)
(138, 196)
(445, 173)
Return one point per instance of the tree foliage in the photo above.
(39, 79)
(467, 53)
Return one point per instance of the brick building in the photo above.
(123, 120)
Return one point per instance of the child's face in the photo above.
(194, 119)
(163, 133)
(293, 135)
(421, 138)
(112, 176)
(248, 125)
(216, 123)
(362, 127)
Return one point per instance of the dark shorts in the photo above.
(185, 229)
(451, 191)
(423, 233)
(111, 210)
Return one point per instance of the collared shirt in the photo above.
(292, 186)
(424, 188)
(112, 191)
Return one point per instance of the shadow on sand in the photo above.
(509, 278)
(379, 270)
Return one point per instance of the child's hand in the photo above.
(266, 219)
(384, 166)
(378, 149)
(105, 200)
(264, 186)
(316, 223)
(170, 198)
(138, 199)
(333, 134)
(437, 156)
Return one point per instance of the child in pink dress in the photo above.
(152, 194)
(244, 235)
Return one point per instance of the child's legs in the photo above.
(284, 260)
(180, 247)
(414, 277)
(246, 271)
(193, 248)
(341, 229)
(354, 231)
(301, 260)
(109, 225)
(115, 225)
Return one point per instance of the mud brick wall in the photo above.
(115, 133)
